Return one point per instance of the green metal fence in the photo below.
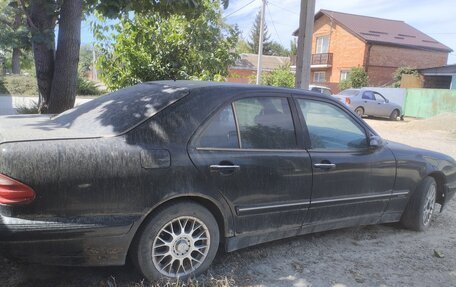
(425, 103)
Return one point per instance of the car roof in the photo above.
(190, 85)
(321, 87)
(193, 85)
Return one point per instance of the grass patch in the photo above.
(204, 282)
(28, 109)
(21, 85)
(18, 85)
(87, 87)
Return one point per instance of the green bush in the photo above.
(280, 77)
(345, 84)
(86, 87)
(357, 78)
(18, 85)
(397, 75)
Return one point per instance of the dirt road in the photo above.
(381, 255)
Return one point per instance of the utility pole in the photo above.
(260, 44)
(304, 51)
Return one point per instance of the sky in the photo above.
(435, 18)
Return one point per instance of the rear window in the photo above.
(349, 93)
(119, 111)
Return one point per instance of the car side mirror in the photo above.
(387, 101)
(375, 142)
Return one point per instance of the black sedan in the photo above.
(166, 172)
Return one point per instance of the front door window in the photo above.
(330, 128)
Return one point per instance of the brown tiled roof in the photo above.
(269, 63)
(383, 31)
(443, 70)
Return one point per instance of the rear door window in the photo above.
(265, 123)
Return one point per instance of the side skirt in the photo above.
(246, 240)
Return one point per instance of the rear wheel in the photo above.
(178, 242)
(418, 213)
(394, 115)
(359, 111)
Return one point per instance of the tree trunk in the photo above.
(64, 82)
(42, 27)
(16, 61)
(16, 58)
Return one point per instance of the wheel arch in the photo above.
(224, 221)
(440, 180)
(360, 106)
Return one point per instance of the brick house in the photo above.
(342, 41)
(245, 68)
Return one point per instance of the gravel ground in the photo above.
(380, 255)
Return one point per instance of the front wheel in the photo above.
(359, 111)
(178, 242)
(418, 213)
(394, 115)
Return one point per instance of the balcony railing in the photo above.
(324, 59)
(319, 60)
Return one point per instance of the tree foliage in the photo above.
(276, 49)
(56, 64)
(397, 75)
(254, 38)
(293, 47)
(242, 47)
(85, 59)
(155, 47)
(357, 78)
(280, 77)
(14, 33)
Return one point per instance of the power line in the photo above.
(284, 9)
(239, 9)
(273, 25)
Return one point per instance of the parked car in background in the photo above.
(320, 89)
(370, 103)
(166, 172)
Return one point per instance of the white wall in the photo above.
(8, 104)
(394, 95)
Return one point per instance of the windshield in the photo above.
(349, 92)
(119, 111)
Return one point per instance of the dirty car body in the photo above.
(264, 162)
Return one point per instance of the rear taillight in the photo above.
(14, 192)
(347, 101)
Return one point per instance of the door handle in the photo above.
(325, 166)
(224, 169)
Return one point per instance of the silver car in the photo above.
(370, 103)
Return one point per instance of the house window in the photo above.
(319, 77)
(322, 45)
(344, 74)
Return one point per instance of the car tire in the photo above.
(418, 213)
(178, 242)
(394, 115)
(359, 111)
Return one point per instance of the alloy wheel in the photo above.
(181, 246)
(429, 204)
